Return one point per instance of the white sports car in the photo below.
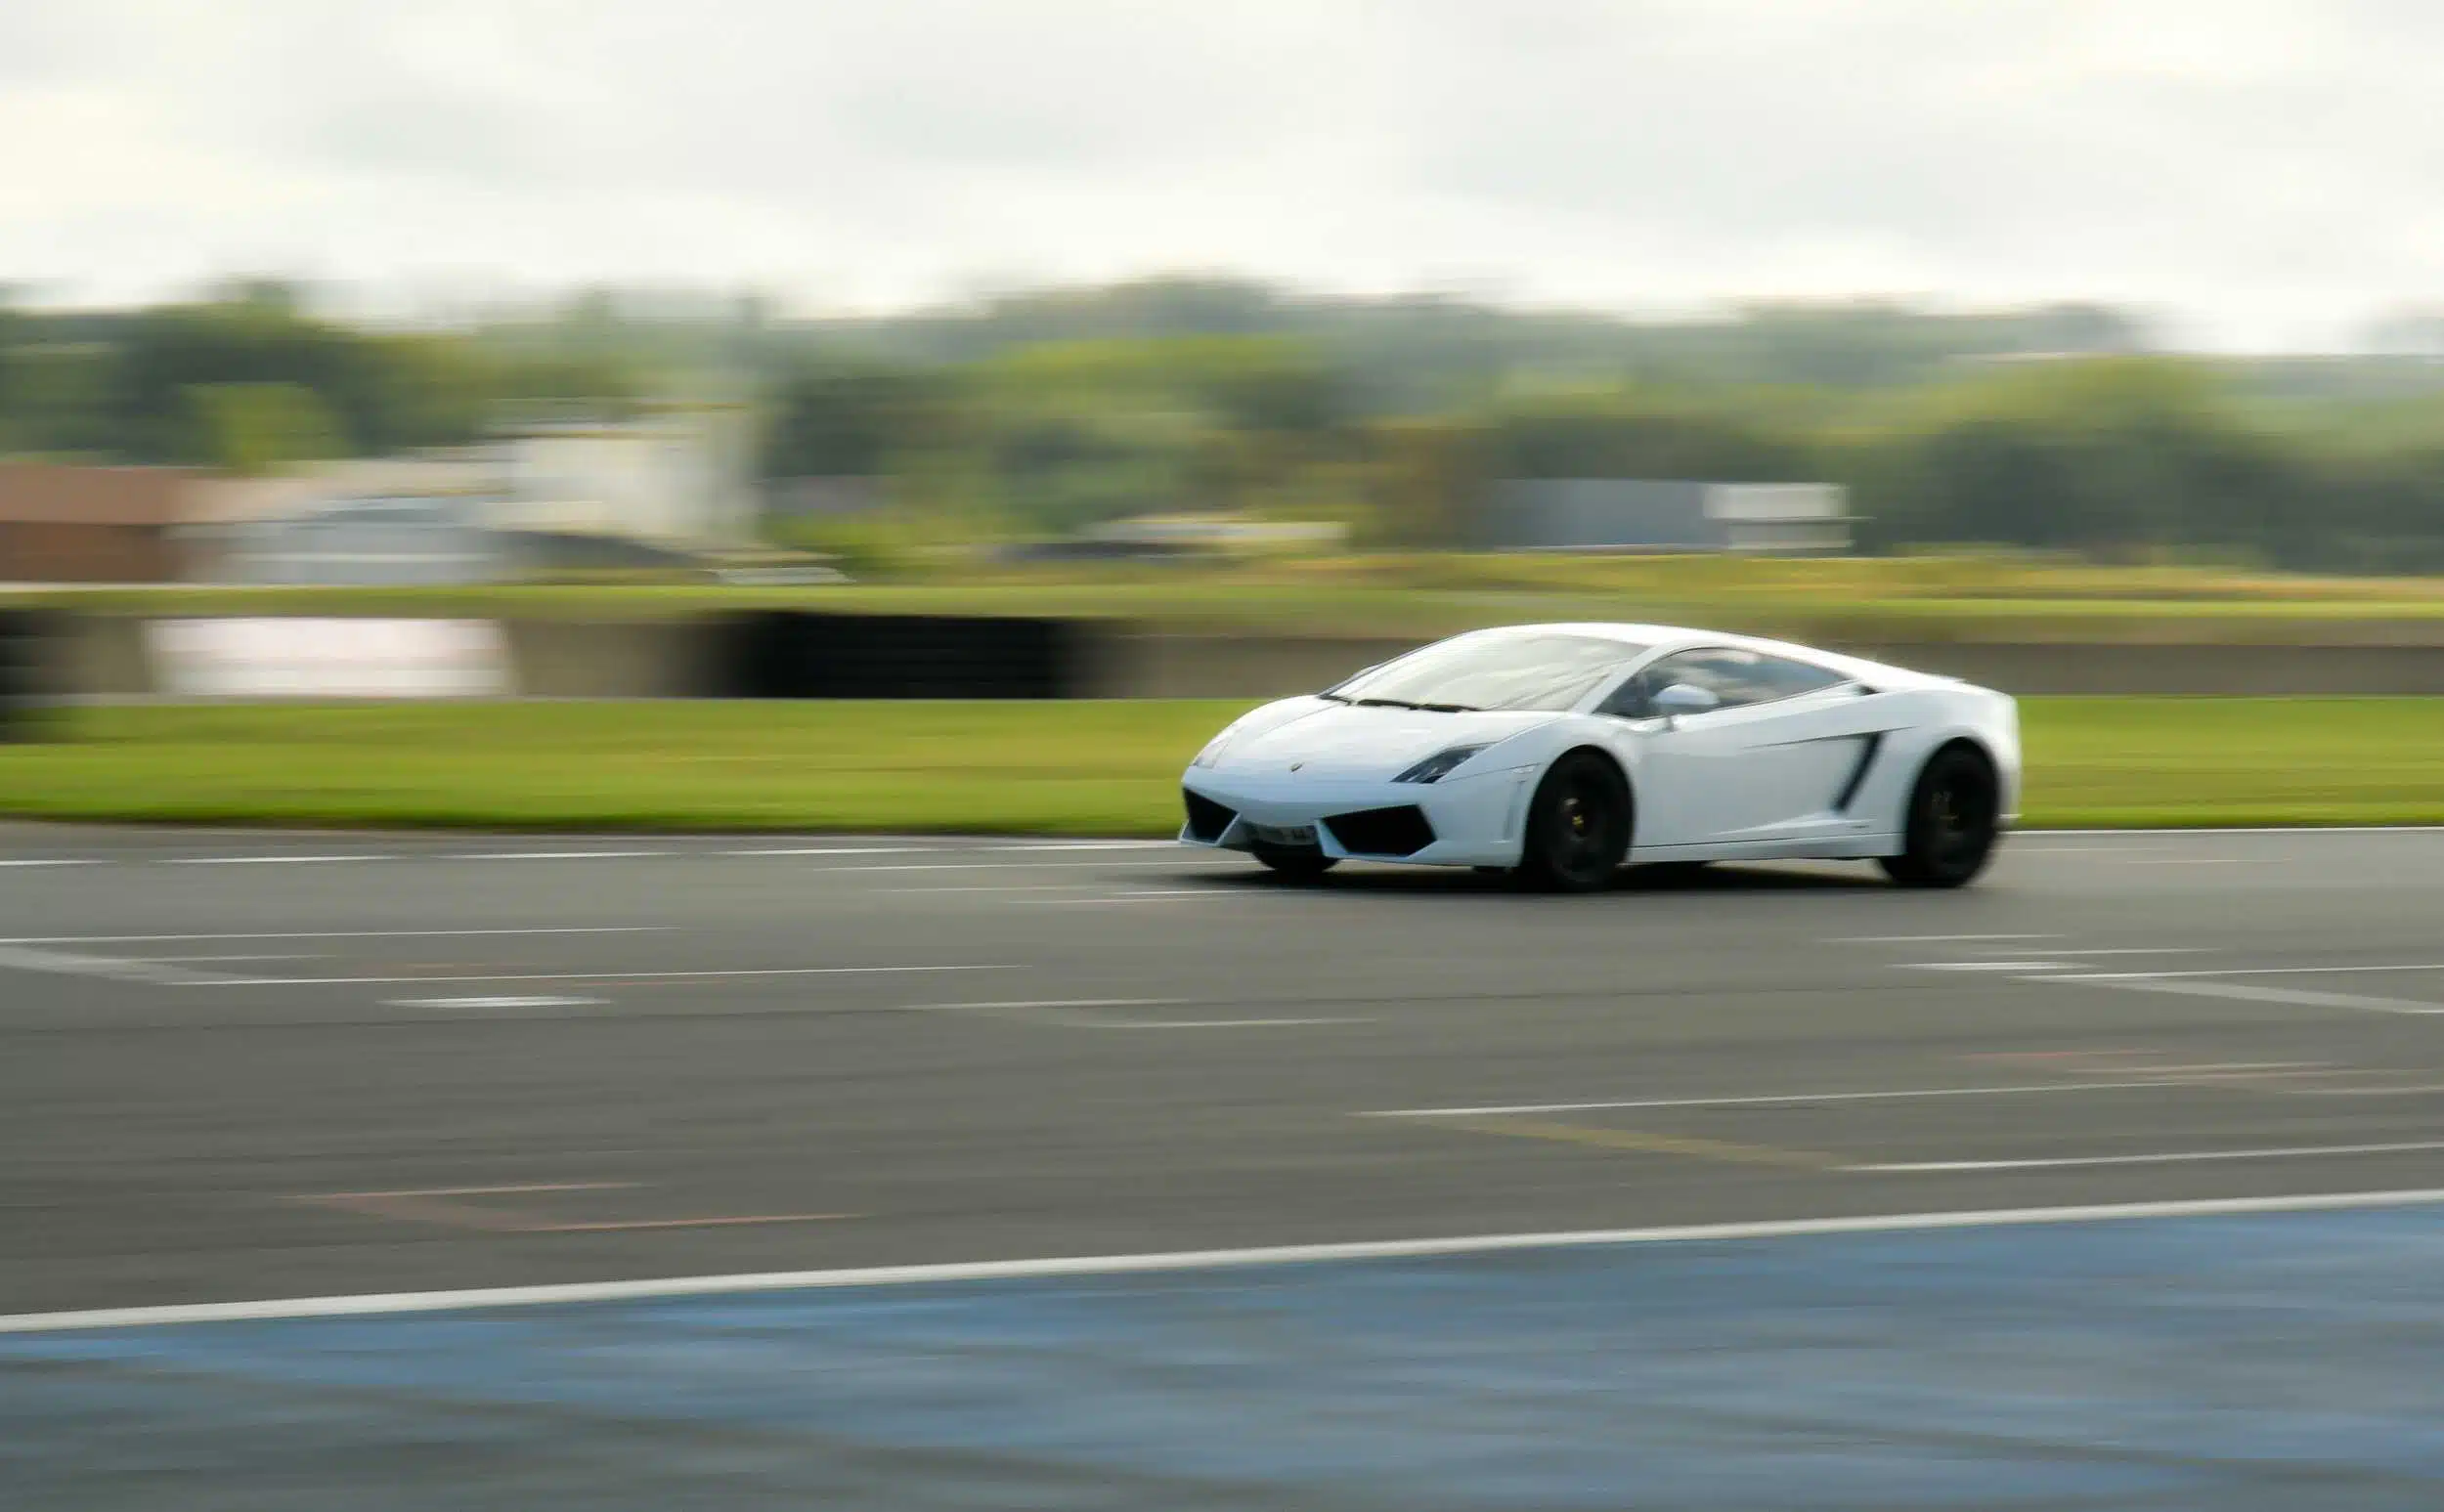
(1564, 751)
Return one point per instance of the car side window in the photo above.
(1736, 677)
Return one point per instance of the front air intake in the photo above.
(1382, 832)
(1206, 819)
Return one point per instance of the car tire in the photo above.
(1297, 865)
(1954, 818)
(1578, 826)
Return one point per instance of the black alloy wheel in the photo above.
(1955, 814)
(1298, 865)
(1578, 828)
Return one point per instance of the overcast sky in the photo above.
(2271, 171)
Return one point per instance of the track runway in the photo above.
(238, 1068)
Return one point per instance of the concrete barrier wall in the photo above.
(615, 659)
(97, 656)
(1147, 665)
(2095, 670)
(104, 657)
(24, 672)
(1132, 665)
(793, 654)
(107, 657)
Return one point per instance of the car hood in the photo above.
(1329, 740)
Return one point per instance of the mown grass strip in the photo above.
(1864, 602)
(1067, 768)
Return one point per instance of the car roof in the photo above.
(1661, 638)
(1649, 637)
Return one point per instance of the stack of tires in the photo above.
(787, 653)
(22, 633)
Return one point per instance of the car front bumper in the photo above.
(1464, 821)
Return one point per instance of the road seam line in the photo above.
(1644, 1142)
(2169, 1157)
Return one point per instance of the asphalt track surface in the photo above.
(240, 1066)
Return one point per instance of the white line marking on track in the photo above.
(1066, 1014)
(608, 975)
(948, 849)
(547, 855)
(470, 1191)
(1764, 1102)
(326, 934)
(2078, 851)
(2131, 950)
(2225, 1068)
(2171, 1158)
(60, 963)
(277, 861)
(1222, 1023)
(980, 866)
(2255, 970)
(724, 1222)
(991, 887)
(986, 1008)
(196, 960)
(281, 858)
(2245, 992)
(955, 845)
(1931, 939)
(536, 1002)
(1091, 845)
(1987, 966)
(830, 850)
(391, 1303)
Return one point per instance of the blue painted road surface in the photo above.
(2272, 1361)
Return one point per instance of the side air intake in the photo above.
(1383, 831)
(1206, 819)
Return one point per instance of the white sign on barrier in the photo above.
(330, 658)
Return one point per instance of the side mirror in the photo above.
(1681, 698)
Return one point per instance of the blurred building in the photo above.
(373, 541)
(1665, 515)
(316, 487)
(64, 523)
(1221, 532)
(548, 492)
(1180, 537)
(678, 476)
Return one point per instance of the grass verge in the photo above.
(1860, 601)
(1069, 768)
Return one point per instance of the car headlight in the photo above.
(1213, 752)
(1441, 764)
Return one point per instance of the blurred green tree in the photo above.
(852, 420)
(250, 429)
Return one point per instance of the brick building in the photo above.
(67, 523)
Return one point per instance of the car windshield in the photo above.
(1532, 671)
